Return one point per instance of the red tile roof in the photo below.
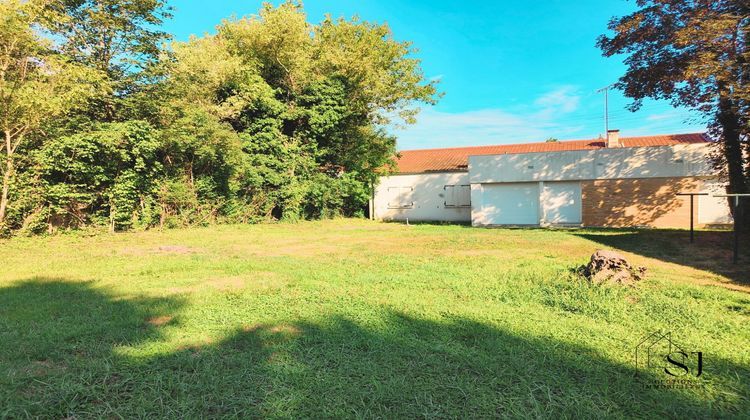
(457, 158)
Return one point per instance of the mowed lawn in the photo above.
(352, 318)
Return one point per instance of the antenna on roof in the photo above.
(606, 89)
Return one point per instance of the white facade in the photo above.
(539, 188)
(527, 203)
(441, 196)
(561, 203)
(621, 163)
(515, 203)
(545, 188)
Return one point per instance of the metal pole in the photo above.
(606, 111)
(692, 211)
(692, 234)
(737, 222)
(606, 106)
(737, 218)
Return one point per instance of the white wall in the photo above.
(713, 210)
(526, 203)
(505, 204)
(422, 197)
(560, 203)
(616, 163)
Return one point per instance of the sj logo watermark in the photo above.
(662, 363)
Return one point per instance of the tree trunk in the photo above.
(7, 174)
(6, 188)
(733, 153)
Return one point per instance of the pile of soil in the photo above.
(613, 268)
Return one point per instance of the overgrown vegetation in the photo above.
(352, 318)
(270, 118)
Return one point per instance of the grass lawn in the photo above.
(352, 318)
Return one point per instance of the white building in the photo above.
(619, 182)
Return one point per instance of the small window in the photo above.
(457, 195)
(400, 197)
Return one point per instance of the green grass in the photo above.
(351, 318)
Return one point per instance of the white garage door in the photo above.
(510, 204)
(561, 202)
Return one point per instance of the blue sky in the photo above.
(512, 71)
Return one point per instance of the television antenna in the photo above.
(606, 89)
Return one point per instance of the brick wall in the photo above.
(638, 202)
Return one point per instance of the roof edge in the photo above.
(700, 133)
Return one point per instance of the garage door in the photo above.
(561, 202)
(509, 204)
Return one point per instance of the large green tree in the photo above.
(695, 53)
(36, 85)
(120, 38)
(310, 104)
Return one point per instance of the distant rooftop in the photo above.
(456, 159)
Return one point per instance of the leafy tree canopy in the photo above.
(271, 117)
(304, 100)
(37, 85)
(119, 38)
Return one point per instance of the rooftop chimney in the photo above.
(613, 138)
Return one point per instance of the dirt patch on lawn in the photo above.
(41, 368)
(285, 329)
(286, 248)
(197, 346)
(259, 281)
(227, 284)
(176, 249)
(161, 250)
(158, 321)
(272, 335)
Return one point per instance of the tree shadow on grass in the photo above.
(711, 251)
(391, 366)
(57, 339)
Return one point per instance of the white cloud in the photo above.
(488, 126)
(561, 100)
(558, 113)
(661, 116)
(667, 115)
(666, 126)
(494, 126)
(671, 121)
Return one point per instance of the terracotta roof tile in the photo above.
(457, 158)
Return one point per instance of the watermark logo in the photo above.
(663, 363)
